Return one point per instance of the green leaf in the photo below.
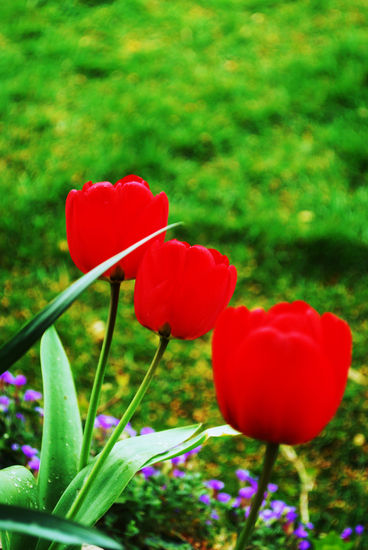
(197, 439)
(18, 488)
(46, 526)
(332, 541)
(29, 334)
(62, 430)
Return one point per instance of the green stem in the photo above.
(269, 460)
(102, 457)
(99, 377)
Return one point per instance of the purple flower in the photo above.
(130, 430)
(304, 545)
(7, 377)
(178, 460)
(278, 506)
(214, 515)
(4, 403)
(205, 499)
(34, 463)
(147, 430)
(300, 532)
(29, 451)
(32, 395)
(236, 503)
(272, 488)
(148, 471)
(290, 514)
(309, 525)
(223, 497)
(105, 421)
(178, 473)
(15, 446)
(20, 380)
(346, 533)
(359, 529)
(242, 475)
(266, 515)
(215, 484)
(21, 417)
(39, 410)
(246, 492)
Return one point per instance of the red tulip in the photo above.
(103, 219)
(280, 375)
(180, 289)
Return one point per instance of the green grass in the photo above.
(252, 117)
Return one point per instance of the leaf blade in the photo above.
(62, 429)
(46, 526)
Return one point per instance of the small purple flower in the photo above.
(178, 473)
(20, 380)
(34, 463)
(7, 377)
(32, 395)
(215, 484)
(40, 411)
(130, 430)
(205, 499)
(304, 545)
(290, 514)
(214, 515)
(105, 421)
(278, 507)
(309, 525)
(272, 488)
(177, 460)
(266, 515)
(15, 446)
(246, 492)
(29, 451)
(300, 532)
(223, 497)
(242, 475)
(4, 403)
(359, 529)
(147, 430)
(347, 532)
(20, 417)
(148, 472)
(237, 502)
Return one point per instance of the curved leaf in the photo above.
(62, 429)
(18, 487)
(46, 526)
(29, 334)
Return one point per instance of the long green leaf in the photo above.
(29, 334)
(17, 488)
(46, 526)
(62, 429)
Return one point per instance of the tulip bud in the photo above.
(180, 289)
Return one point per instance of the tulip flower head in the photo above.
(280, 375)
(103, 219)
(180, 289)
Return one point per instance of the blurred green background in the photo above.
(252, 116)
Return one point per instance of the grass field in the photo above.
(252, 116)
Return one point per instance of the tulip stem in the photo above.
(269, 460)
(100, 460)
(99, 377)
